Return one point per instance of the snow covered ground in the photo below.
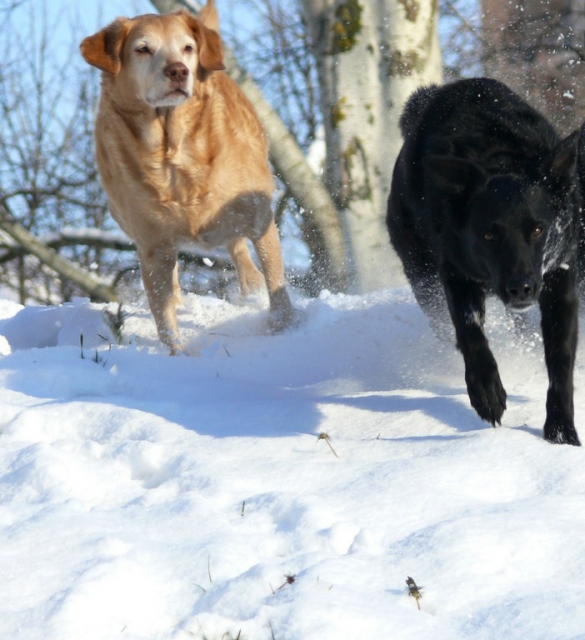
(150, 497)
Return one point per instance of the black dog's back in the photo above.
(484, 199)
(415, 107)
(479, 119)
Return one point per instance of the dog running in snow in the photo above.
(183, 157)
(484, 198)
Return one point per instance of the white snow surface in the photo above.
(144, 496)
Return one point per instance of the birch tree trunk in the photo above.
(370, 57)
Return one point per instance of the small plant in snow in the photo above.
(115, 321)
(414, 590)
(325, 436)
(290, 579)
(96, 357)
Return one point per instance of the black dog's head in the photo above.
(510, 228)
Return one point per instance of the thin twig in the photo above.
(324, 436)
(290, 579)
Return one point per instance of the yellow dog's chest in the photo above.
(171, 193)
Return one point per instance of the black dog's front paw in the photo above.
(486, 391)
(561, 432)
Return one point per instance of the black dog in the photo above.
(484, 198)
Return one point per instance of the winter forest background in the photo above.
(329, 78)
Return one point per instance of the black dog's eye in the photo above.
(488, 235)
(537, 232)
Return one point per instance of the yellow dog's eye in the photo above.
(143, 49)
(189, 48)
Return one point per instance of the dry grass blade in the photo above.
(325, 436)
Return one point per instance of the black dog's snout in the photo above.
(522, 290)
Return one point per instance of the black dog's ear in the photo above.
(454, 175)
(564, 160)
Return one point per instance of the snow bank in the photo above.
(144, 496)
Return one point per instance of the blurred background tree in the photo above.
(538, 48)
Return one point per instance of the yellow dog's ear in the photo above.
(103, 49)
(208, 16)
(208, 43)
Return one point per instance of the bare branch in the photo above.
(66, 269)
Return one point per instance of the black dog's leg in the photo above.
(559, 309)
(420, 267)
(466, 300)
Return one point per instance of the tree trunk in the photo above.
(370, 58)
(537, 48)
(291, 165)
